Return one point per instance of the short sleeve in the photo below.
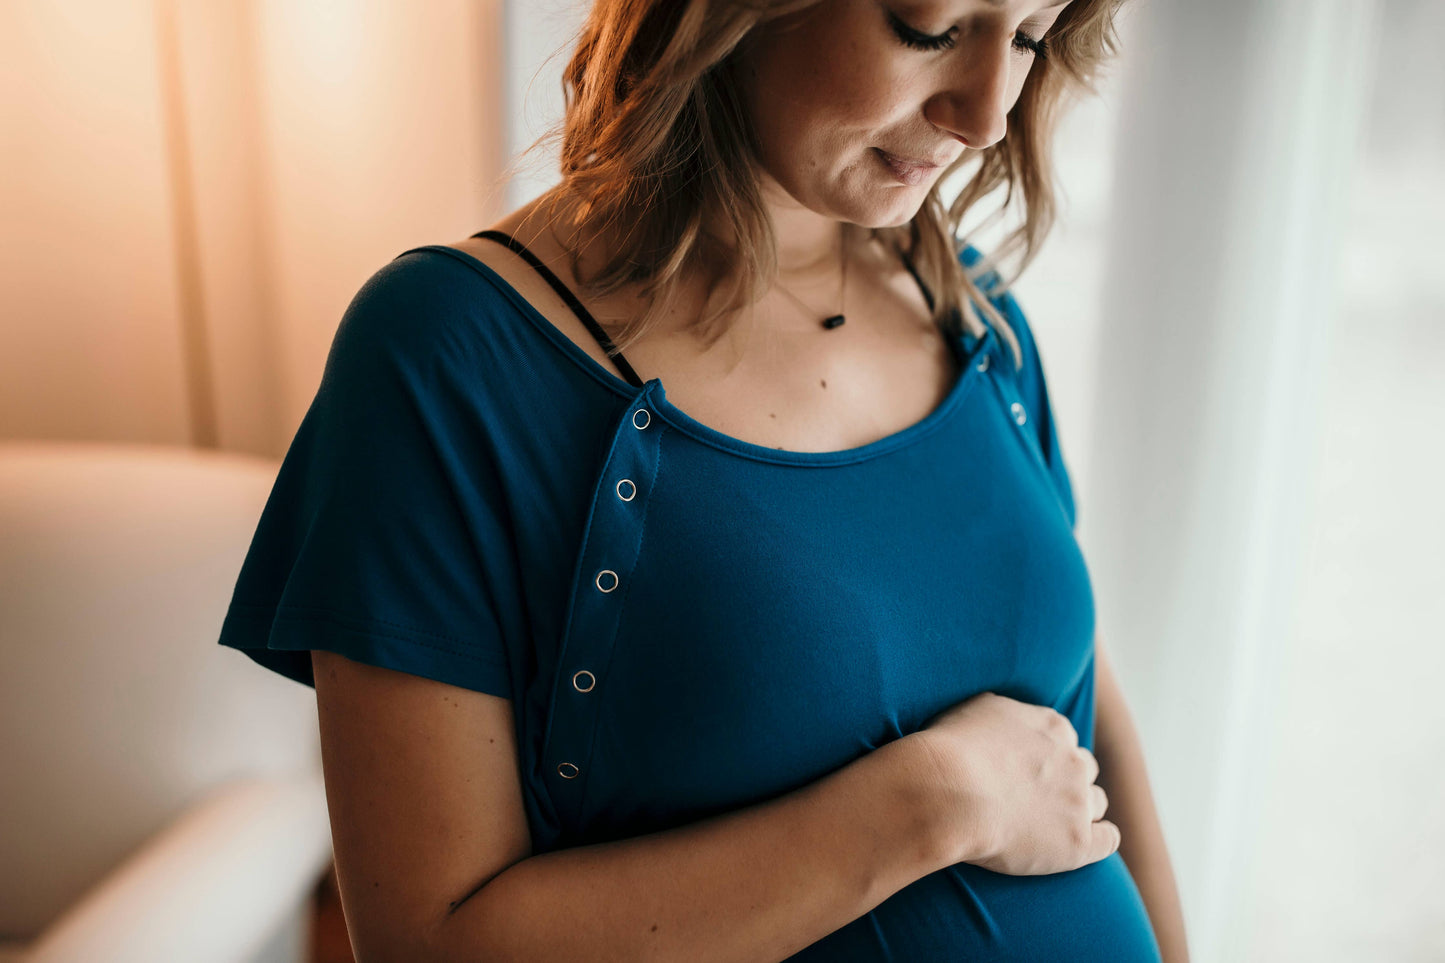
(1033, 386)
(385, 537)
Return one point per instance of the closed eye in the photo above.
(918, 40)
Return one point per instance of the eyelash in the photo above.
(923, 41)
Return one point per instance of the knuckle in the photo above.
(1061, 728)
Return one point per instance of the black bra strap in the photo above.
(923, 288)
(908, 263)
(586, 317)
(566, 294)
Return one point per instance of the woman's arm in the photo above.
(759, 883)
(434, 860)
(1131, 806)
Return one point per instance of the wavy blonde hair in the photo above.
(657, 149)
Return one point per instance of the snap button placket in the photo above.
(1020, 416)
(982, 364)
(610, 553)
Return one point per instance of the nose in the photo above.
(976, 91)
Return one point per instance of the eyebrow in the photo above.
(1004, 3)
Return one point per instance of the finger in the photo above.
(1063, 729)
(1106, 840)
(1099, 802)
(1091, 760)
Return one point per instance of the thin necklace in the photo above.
(833, 320)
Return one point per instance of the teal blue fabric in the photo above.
(686, 623)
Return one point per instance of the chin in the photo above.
(881, 210)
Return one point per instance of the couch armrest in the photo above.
(213, 885)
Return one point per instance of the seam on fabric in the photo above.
(364, 625)
(622, 607)
(829, 459)
(402, 633)
(473, 658)
(617, 386)
(574, 590)
(1034, 449)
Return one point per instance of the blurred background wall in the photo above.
(193, 191)
(1240, 314)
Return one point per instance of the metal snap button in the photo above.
(631, 489)
(599, 579)
(568, 771)
(1018, 412)
(646, 418)
(578, 681)
(982, 363)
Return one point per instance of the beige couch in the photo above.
(160, 796)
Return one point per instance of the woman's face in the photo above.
(860, 105)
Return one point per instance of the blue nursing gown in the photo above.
(686, 623)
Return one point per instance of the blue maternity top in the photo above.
(686, 623)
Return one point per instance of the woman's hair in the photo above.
(657, 150)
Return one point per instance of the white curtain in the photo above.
(1237, 330)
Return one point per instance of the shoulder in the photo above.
(434, 336)
(423, 299)
(426, 349)
(431, 320)
(974, 260)
(986, 275)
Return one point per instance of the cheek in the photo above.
(1016, 82)
(831, 94)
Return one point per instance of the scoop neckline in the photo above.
(654, 392)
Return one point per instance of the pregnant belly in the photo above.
(967, 914)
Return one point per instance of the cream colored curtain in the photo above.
(193, 191)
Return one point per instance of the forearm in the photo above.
(1124, 780)
(757, 884)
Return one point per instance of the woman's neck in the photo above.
(808, 255)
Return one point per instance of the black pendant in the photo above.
(833, 322)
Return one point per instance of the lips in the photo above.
(907, 170)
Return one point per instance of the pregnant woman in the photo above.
(685, 565)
